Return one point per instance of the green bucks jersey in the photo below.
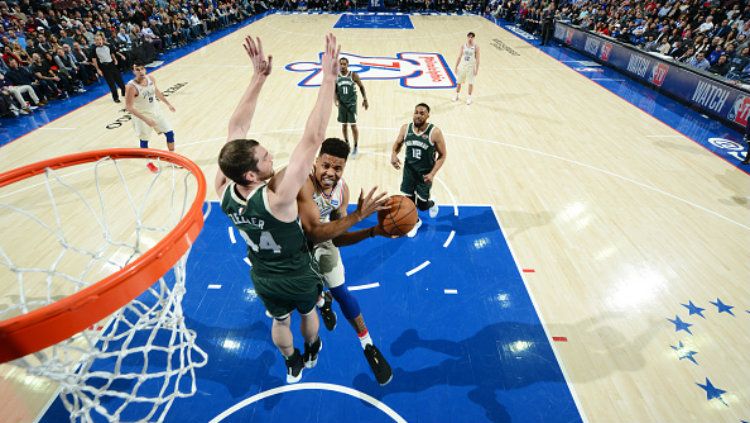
(346, 91)
(420, 150)
(273, 247)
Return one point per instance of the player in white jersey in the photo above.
(142, 98)
(467, 66)
(322, 206)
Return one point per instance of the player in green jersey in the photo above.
(263, 207)
(346, 100)
(424, 156)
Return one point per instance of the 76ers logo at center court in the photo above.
(413, 70)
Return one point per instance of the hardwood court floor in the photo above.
(620, 226)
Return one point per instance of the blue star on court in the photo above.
(694, 309)
(689, 354)
(712, 392)
(723, 308)
(680, 325)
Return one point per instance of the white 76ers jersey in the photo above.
(145, 98)
(327, 204)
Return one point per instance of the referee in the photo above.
(103, 58)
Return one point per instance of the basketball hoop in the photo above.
(98, 291)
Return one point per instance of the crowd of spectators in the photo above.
(406, 6)
(47, 45)
(709, 35)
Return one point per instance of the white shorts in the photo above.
(329, 262)
(465, 73)
(144, 131)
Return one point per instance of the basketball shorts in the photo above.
(329, 262)
(465, 73)
(282, 294)
(413, 184)
(347, 113)
(144, 131)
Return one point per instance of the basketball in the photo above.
(400, 218)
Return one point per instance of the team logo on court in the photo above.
(606, 49)
(725, 144)
(413, 70)
(659, 73)
(740, 111)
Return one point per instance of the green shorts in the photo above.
(348, 113)
(283, 294)
(413, 184)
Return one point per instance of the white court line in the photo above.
(606, 172)
(44, 128)
(361, 287)
(607, 79)
(665, 136)
(418, 268)
(232, 239)
(552, 156)
(310, 386)
(247, 260)
(214, 286)
(208, 211)
(451, 291)
(450, 194)
(541, 319)
(449, 240)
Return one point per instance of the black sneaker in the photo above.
(329, 316)
(294, 366)
(310, 357)
(380, 367)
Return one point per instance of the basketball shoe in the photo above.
(380, 367)
(310, 357)
(294, 366)
(434, 209)
(329, 316)
(413, 232)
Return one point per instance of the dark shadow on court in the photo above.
(500, 357)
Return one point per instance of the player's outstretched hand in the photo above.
(371, 203)
(262, 65)
(330, 61)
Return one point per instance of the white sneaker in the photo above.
(455, 97)
(413, 232)
(468, 101)
(434, 210)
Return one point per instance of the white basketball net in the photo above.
(75, 226)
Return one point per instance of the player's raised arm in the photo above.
(239, 123)
(283, 200)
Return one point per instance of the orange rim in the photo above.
(48, 325)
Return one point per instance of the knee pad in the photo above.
(349, 305)
(170, 136)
